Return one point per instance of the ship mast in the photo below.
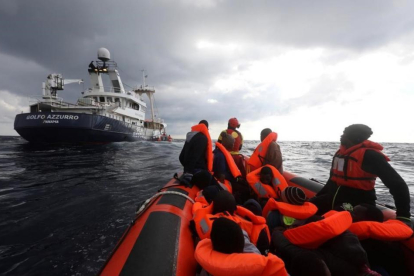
(149, 92)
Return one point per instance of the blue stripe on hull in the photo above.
(59, 127)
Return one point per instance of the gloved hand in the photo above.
(406, 221)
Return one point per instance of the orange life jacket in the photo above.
(390, 230)
(235, 172)
(313, 234)
(304, 211)
(249, 222)
(240, 264)
(264, 190)
(347, 166)
(256, 160)
(209, 151)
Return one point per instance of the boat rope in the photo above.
(159, 194)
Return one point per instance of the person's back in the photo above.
(196, 154)
(221, 166)
(267, 152)
(238, 137)
(354, 170)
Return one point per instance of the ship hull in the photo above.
(67, 127)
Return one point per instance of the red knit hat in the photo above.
(233, 122)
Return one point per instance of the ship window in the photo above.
(102, 99)
(95, 99)
(117, 100)
(109, 99)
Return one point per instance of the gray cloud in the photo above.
(43, 36)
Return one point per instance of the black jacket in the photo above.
(374, 163)
(193, 155)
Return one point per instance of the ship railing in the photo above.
(111, 89)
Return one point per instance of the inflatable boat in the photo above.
(159, 240)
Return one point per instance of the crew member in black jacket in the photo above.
(355, 167)
(193, 156)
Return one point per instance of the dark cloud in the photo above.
(39, 37)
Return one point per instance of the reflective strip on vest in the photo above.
(260, 189)
(204, 226)
(223, 186)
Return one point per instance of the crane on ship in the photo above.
(55, 82)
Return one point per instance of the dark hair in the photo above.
(227, 236)
(204, 122)
(210, 192)
(264, 133)
(201, 179)
(266, 170)
(224, 201)
(308, 263)
(357, 133)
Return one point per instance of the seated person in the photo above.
(328, 238)
(224, 205)
(221, 166)
(197, 153)
(379, 238)
(266, 182)
(229, 250)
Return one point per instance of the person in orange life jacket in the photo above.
(224, 202)
(273, 154)
(292, 195)
(227, 237)
(343, 254)
(196, 154)
(220, 167)
(256, 204)
(238, 137)
(263, 188)
(386, 257)
(238, 143)
(355, 167)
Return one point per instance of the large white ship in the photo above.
(101, 115)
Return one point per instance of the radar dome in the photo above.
(103, 54)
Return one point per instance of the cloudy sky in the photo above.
(306, 69)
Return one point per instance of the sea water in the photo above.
(63, 208)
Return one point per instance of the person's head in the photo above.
(308, 263)
(204, 122)
(233, 123)
(253, 206)
(266, 175)
(227, 236)
(366, 212)
(201, 179)
(293, 195)
(355, 134)
(227, 140)
(264, 133)
(210, 192)
(224, 201)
